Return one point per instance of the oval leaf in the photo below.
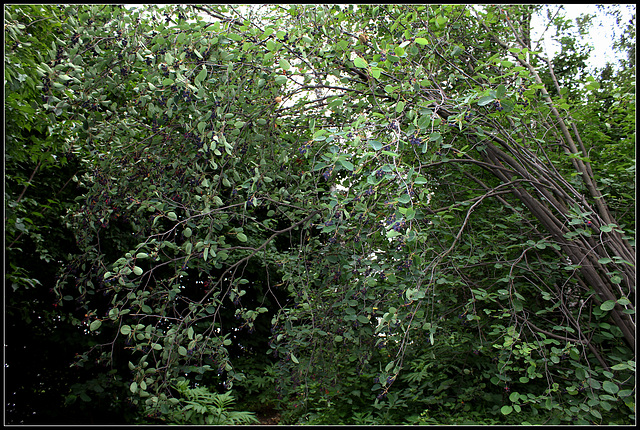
(485, 100)
(95, 325)
(608, 305)
(360, 62)
(285, 64)
(506, 410)
(375, 145)
(347, 165)
(610, 387)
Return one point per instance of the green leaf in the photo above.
(393, 233)
(623, 301)
(506, 410)
(435, 137)
(201, 76)
(125, 330)
(294, 359)
(133, 387)
(400, 106)
(182, 350)
(280, 79)
(405, 198)
(621, 366)
(375, 145)
(485, 100)
(242, 237)
(137, 270)
(608, 305)
(420, 180)
(172, 216)
(347, 164)
(360, 62)
(284, 64)
(610, 387)
(95, 325)
(422, 41)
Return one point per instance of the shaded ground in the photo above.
(268, 416)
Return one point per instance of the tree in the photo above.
(369, 196)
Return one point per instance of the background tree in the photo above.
(396, 203)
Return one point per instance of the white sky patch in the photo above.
(602, 34)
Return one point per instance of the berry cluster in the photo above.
(379, 173)
(405, 264)
(415, 140)
(327, 174)
(390, 219)
(463, 319)
(190, 54)
(195, 139)
(496, 104)
(59, 53)
(304, 148)
(46, 86)
(187, 95)
(88, 105)
(398, 226)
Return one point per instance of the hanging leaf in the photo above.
(360, 62)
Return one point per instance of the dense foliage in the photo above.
(400, 214)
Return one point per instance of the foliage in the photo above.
(200, 406)
(384, 215)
